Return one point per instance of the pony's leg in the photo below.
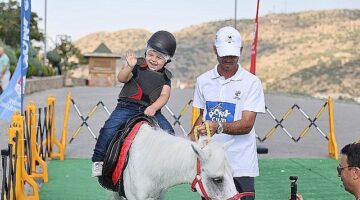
(133, 191)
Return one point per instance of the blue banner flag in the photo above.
(12, 98)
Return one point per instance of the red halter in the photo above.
(197, 180)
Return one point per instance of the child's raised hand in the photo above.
(130, 58)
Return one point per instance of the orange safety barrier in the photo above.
(35, 154)
(22, 177)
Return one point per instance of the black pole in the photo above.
(45, 33)
(4, 158)
(235, 13)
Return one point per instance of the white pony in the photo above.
(158, 161)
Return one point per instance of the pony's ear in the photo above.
(227, 144)
(198, 151)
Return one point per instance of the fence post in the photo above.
(195, 115)
(64, 131)
(332, 145)
(35, 158)
(21, 174)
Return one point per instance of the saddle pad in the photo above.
(112, 154)
(117, 173)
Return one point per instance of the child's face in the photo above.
(154, 60)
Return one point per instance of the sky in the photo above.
(78, 18)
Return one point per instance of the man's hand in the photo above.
(298, 197)
(213, 125)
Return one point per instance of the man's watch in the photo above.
(220, 128)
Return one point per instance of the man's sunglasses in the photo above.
(339, 169)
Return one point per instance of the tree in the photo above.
(65, 56)
(10, 12)
(67, 50)
(55, 59)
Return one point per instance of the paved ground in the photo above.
(313, 145)
(347, 116)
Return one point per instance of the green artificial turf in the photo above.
(317, 180)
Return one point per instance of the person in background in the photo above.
(146, 90)
(349, 169)
(4, 70)
(229, 98)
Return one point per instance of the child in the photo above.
(146, 90)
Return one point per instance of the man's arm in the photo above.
(240, 127)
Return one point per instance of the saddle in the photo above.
(114, 164)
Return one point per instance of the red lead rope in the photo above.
(197, 180)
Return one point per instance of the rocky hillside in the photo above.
(310, 53)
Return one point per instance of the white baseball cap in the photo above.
(228, 42)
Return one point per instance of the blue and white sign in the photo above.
(12, 98)
(220, 111)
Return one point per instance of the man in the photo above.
(349, 169)
(229, 97)
(4, 70)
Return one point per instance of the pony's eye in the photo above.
(217, 180)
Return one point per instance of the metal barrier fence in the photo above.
(84, 119)
(332, 145)
(8, 178)
(177, 118)
(32, 141)
(17, 164)
(100, 103)
(286, 115)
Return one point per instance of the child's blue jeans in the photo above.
(124, 111)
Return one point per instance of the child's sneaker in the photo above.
(97, 169)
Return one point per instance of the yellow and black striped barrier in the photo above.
(332, 144)
(286, 115)
(24, 160)
(177, 118)
(84, 119)
(22, 178)
(35, 156)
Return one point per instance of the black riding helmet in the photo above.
(163, 42)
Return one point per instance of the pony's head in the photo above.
(215, 172)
